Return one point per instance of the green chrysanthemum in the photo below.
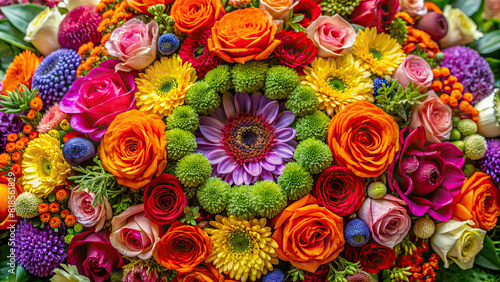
(239, 202)
(313, 155)
(280, 82)
(398, 30)
(202, 98)
(475, 146)
(295, 181)
(193, 169)
(189, 192)
(302, 101)
(213, 195)
(219, 79)
(341, 7)
(267, 198)
(312, 126)
(180, 143)
(183, 117)
(467, 127)
(249, 77)
(26, 205)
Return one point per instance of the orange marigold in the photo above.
(43, 208)
(45, 217)
(20, 144)
(65, 213)
(12, 137)
(16, 156)
(10, 147)
(4, 159)
(55, 222)
(36, 104)
(33, 134)
(70, 220)
(54, 207)
(20, 71)
(61, 195)
(16, 169)
(31, 115)
(27, 128)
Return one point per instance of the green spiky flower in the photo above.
(398, 30)
(267, 198)
(219, 79)
(475, 146)
(313, 155)
(239, 202)
(202, 98)
(183, 117)
(193, 169)
(180, 143)
(295, 181)
(467, 127)
(26, 205)
(302, 101)
(280, 82)
(312, 126)
(213, 195)
(249, 77)
(17, 102)
(341, 7)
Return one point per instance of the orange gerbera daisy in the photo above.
(20, 71)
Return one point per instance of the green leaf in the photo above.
(36, 221)
(12, 35)
(298, 18)
(488, 257)
(489, 43)
(441, 3)
(52, 197)
(21, 15)
(21, 274)
(469, 7)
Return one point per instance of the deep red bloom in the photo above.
(164, 199)
(372, 257)
(320, 275)
(195, 50)
(310, 9)
(378, 13)
(295, 50)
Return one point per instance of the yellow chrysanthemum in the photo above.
(242, 249)
(163, 86)
(44, 166)
(379, 53)
(338, 82)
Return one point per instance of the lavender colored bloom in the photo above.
(9, 123)
(472, 70)
(247, 138)
(39, 251)
(490, 163)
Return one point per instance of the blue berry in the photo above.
(377, 83)
(167, 44)
(78, 150)
(356, 233)
(274, 276)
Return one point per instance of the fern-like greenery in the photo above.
(17, 102)
(399, 102)
(423, 53)
(121, 197)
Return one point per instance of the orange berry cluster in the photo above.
(453, 92)
(14, 148)
(421, 271)
(36, 105)
(52, 214)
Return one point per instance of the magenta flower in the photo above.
(247, 138)
(427, 177)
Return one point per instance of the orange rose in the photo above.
(202, 273)
(363, 138)
(183, 247)
(133, 148)
(478, 201)
(244, 35)
(279, 9)
(143, 5)
(9, 190)
(320, 231)
(194, 15)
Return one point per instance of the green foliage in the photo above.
(433, 62)
(455, 273)
(398, 30)
(121, 197)
(17, 102)
(398, 102)
(190, 215)
(488, 257)
(293, 21)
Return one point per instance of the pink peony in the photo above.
(375, 13)
(132, 234)
(80, 204)
(332, 36)
(387, 219)
(51, 119)
(415, 69)
(134, 43)
(434, 116)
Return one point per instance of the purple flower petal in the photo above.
(227, 102)
(285, 151)
(266, 175)
(267, 166)
(242, 102)
(238, 175)
(210, 133)
(269, 112)
(226, 166)
(284, 119)
(217, 156)
(255, 99)
(253, 168)
(285, 134)
(213, 122)
(274, 158)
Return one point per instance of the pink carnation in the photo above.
(51, 119)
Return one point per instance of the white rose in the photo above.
(71, 4)
(461, 28)
(414, 8)
(42, 30)
(458, 241)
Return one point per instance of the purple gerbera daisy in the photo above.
(247, 138)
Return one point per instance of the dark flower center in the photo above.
(199, 51)
(336, 84)
(376, 54)
(240, 241)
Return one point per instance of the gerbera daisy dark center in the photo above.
(47, 167)
(247, 137)
(240, 242)
(376, 53)
(167, 85)
(337, 84)
(199, 51)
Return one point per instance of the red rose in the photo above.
(321, 275)
(164, 199)
(378, 13)
(295, 50)
(310, 9)
(372, 257)
(340, 190)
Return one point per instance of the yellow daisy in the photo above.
(242, 249)
(44, 166)
(163, 86)
(380, 53)
(338, 82)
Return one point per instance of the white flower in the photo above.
(461, 28)
(71, 4)
(42, 30)
(489, 111)
(458, 241)
(414, 8)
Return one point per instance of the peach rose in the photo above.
(80, 204)
(142, 6)
(194, 15)
(278, 9)
(435, 118)
(479, 201)
(133, 148)
(415, 69)
(414, 8)
(244, 35)
(332, 36)
(320, 230)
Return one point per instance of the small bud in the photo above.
(424, 228)
(377, 190)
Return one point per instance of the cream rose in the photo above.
(332, 36)
(414, 8)
(458, 241)
(71, 4)
(80, 203)
(461, 28)
(42, 30)
(278, 9)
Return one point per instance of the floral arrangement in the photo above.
(250, 140)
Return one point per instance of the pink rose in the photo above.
(132, 234)
(332, 36)
(435, 118)
(415, 69)
(387, 219)
(491, 9)
(414, 8)
(375, 13)
(80, 204)
(134, 43)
